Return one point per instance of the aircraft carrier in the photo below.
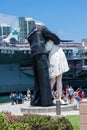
(16, 65)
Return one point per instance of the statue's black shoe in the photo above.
(35, 104)
(39, 104)
(49, 105)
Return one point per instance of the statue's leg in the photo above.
(44, 81)
(59, 86)
(36, 101)
(52, 82)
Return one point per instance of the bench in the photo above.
(20, 101)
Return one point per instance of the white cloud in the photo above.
(9, 19)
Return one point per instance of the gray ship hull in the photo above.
(12, 78)
(13, 62)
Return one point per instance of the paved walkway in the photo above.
(16, 109)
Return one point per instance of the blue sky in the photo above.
(66, 18)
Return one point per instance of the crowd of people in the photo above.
(69, 95)
(19, 97)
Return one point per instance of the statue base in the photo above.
(46, 110)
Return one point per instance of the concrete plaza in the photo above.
(16, 109)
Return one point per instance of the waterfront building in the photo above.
(84, 41)
(5, 30)
(25, 23)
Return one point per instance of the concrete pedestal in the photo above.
(44, 110)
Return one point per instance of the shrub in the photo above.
(64, 123)
(33, 122)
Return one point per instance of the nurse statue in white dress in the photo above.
(57, 66)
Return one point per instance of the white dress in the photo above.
(57, 60)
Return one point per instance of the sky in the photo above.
(66, 18)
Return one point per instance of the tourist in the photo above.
(76, 96)
(19, 97)
(28, 95)
(67, 93)
(71, 94)
(13, 97)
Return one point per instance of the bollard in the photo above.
(58, 107)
